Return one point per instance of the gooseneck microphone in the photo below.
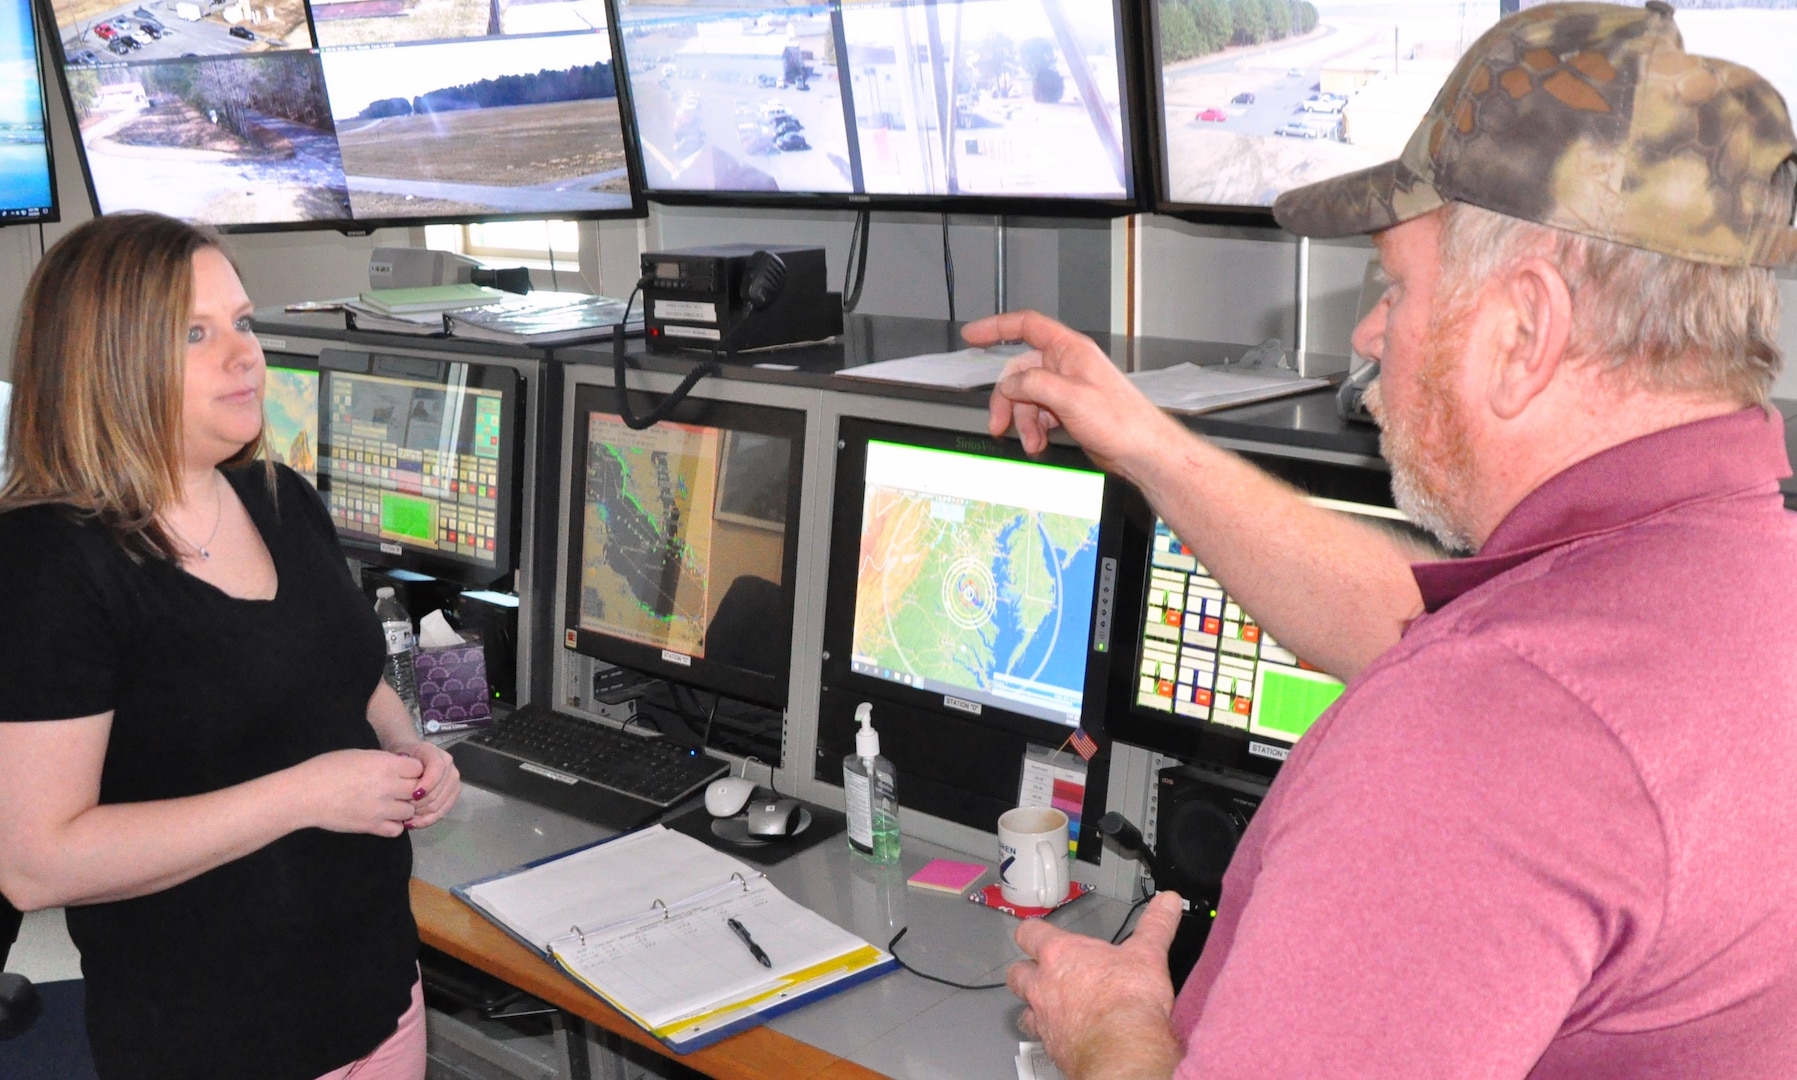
(1128, 841)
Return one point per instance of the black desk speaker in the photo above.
(1201, 816)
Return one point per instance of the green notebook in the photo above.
(431, 298)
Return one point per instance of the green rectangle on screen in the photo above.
(1290, 703)
(408, 516)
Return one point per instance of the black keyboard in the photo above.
(582, 767)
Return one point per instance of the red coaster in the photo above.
(991, 897)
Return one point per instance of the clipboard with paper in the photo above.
(642, 921)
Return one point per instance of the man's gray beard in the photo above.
(1424, 508)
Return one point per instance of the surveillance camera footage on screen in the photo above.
(1005, 98)
(1256, 101)
(232, 113)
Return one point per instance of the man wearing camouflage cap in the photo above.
(1550, 828)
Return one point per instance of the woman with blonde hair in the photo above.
(202, 763)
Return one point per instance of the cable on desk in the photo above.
(948, 268)
(674, 397)
(892, 947)
(857, 260)
(1119, 937)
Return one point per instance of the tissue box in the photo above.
(453, 693)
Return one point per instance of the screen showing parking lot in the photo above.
(294, 114)
(1256, 99)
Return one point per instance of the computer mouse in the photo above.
(773, 817)
(727, 797)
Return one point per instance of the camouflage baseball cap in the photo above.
(1590, 118)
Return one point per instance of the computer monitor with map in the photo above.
(420, 462)
(290, 411)
(682, 542)
(968, 601)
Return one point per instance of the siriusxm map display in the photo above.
(1204, 658)
(646, 571)
(27, 186)
(682, 533)
(976, 577)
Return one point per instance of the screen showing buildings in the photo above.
(237, 115)
(1013, 98)
(27, 185)
(682, 545)
(290, 414)
(414, 465)
(975, 577)
(1204, 658)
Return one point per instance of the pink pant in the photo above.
(401, 1057)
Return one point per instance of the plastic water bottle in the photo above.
(399, 672)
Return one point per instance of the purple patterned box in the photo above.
(452, 686)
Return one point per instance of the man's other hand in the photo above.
(1101, 1010)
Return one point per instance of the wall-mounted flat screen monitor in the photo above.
(350, 115)
(969, 602)
(1253, 99)
(682, 542)
(27, 179)
(421, 462)
(933, 104)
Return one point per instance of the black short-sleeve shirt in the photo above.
(291, 961)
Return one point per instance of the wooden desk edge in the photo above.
(760, 1053)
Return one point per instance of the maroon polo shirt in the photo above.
(1553, 831)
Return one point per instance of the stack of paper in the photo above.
(644, 922)
(1188, 388)
(542, 318)
(964, 369)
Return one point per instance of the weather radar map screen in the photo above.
(976, 577)
(647, 520)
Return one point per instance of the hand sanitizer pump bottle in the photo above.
(870, 787)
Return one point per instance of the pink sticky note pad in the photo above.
(947, 875)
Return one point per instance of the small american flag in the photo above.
(1083, 743)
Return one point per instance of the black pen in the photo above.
(754, 949)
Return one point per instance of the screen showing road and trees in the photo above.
(1260, 97)
(976, 577)
(291, 112)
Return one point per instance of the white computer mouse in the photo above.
(727, 797)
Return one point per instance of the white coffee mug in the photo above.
(1032, 856)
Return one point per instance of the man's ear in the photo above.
(1535, 324)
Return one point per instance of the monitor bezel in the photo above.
(1129, 24)
(511, 383)
(770, 689)
(853, 435)
(36, 22)
(358, 227)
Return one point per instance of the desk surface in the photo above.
(898, 1025)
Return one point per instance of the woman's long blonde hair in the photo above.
(98, 375)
